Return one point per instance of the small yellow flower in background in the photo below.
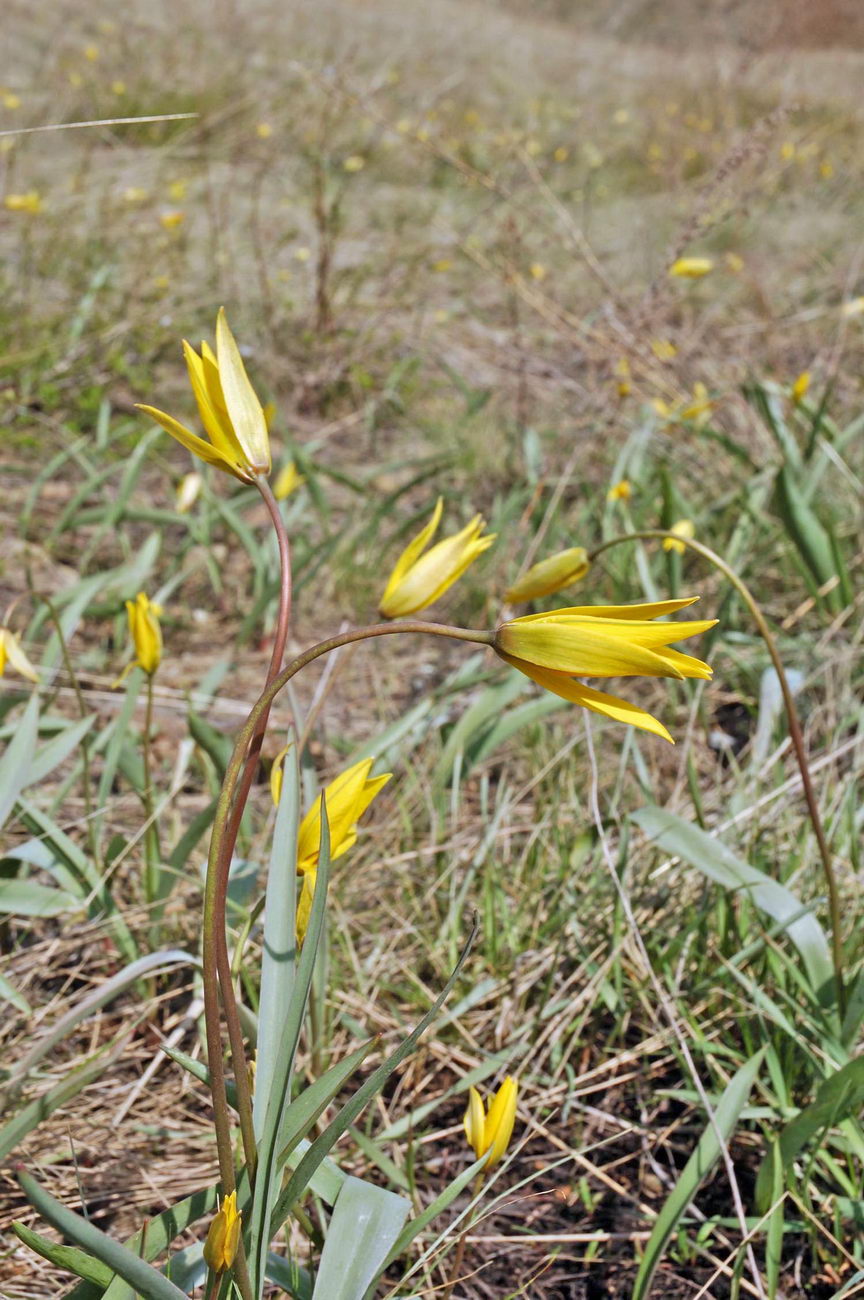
(188, 492)
(800, 387)
(700, 408)
(263, 130)
(663, 349)
(355, 163)
(30, 202)
(734, 262)
(146, 635)
(404, 125)
(593, 156)
(419, 580)
(826, 169)
(75, 79)
(533, 148)
(621, 117)
(491, 1131)
(663, 409)
(230, 412)
(91, 53)
(684, 528)
(787, 151)
(172, 220)
(177, 190)
(118, 87)
(622, 370)
(602, 641)
(11, 100)
(691, 268)
(550, 575)
(302, 254)
(471, 117)
(561, 154)
(287, 481)
(134, 194)
(223, 1236)
(11, 653)
(443, 264)
(538, 271)
(852, 307)
(620, 491)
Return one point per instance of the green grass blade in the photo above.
(696, 1170)
(431, 1212)
(68, 1257)
(16, 762)
(148, 1281)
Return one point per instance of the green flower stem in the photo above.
(213, 925)
(793, 721)
(215, 934)
(151, 835)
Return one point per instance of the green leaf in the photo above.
(438, 1206)
(215, 744)
(35, 1112)
(312, 1101)
(808, 534)
(157, 1234)
(696, 1170)
(58, 749)
(9, 993)
(151, 1284)
(365, 1225)
(26, 898)
(68, 1257)
(839, 1097)
(267, 1177)
(16, 761)
(718, 863)
(280, 942)
(325, 1141)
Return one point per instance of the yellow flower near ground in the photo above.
(691, 268)
(852, 307)
(347, 798)
(602, 641)
(683, 528)
(11, 100)
(538, 271)
(146, 635)
(91, 53)
(118, 87)
(172, 220)
(550, 575)
(620, 491)
(287, 481)
(355, 163)
(419, 580)
(223, 1235)
(700, 408)
(622, 370)
(135, 194)
(177, 190)
(663, 349)
(231, 414)
(188, 492)
(263, 130)
(491, 1131)
(801, 385)
(11, 653)
(30, 202)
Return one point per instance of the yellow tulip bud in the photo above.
(683, 528)
(223, 1236)
(11, 652)
(800, 387)
(419, 580)
(146, 633)
(620, 491)
(691, 268)
(287, 481)
(551, 574)
(489, 1134)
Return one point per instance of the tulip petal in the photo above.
(198, 446)
(474, 1122)
(431, 575)
(642, 613)
(218, 426)
(244, 410)
(500, 1121)
(580, 650)
(610, 706)
(10, 648)
(411, 552)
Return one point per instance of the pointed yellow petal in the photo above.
(433, 573)
(550, 575)
(215, 422)
(580, 650)
(597, 701)
(642, 613)
(475, 1122)
(10, 648)
(409, 556)
(500, 1121)
(244, 410)
(203, 450)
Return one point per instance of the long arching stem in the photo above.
(793, 721)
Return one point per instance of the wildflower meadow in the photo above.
(431, 731)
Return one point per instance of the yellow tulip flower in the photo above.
(11, 652)
(691, 268)
(230, 412)
(418, 580)
(287, 481)
(30, 202)
(348, 797)
(602, 641)
(146, 635)
(223, 1236)
(800, 387)
(491, 1132)
(684, 528)
(557, 571)
(620, 491)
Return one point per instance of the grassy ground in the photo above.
(443, 238)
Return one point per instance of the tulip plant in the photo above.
(287, 1133)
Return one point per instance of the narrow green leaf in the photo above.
(68, 1257)
(325, 1141)
(366, 1222)
(774, 1235)
(26, 898)
(9, 993)
(58, 749)
(35, 1112)
(280, 942)
(715, 860)
(807, 533)
(267, 1176)
(312, 1101)
(839, 1097)
(696, 1170)
(152, 1284)
(16, 762)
